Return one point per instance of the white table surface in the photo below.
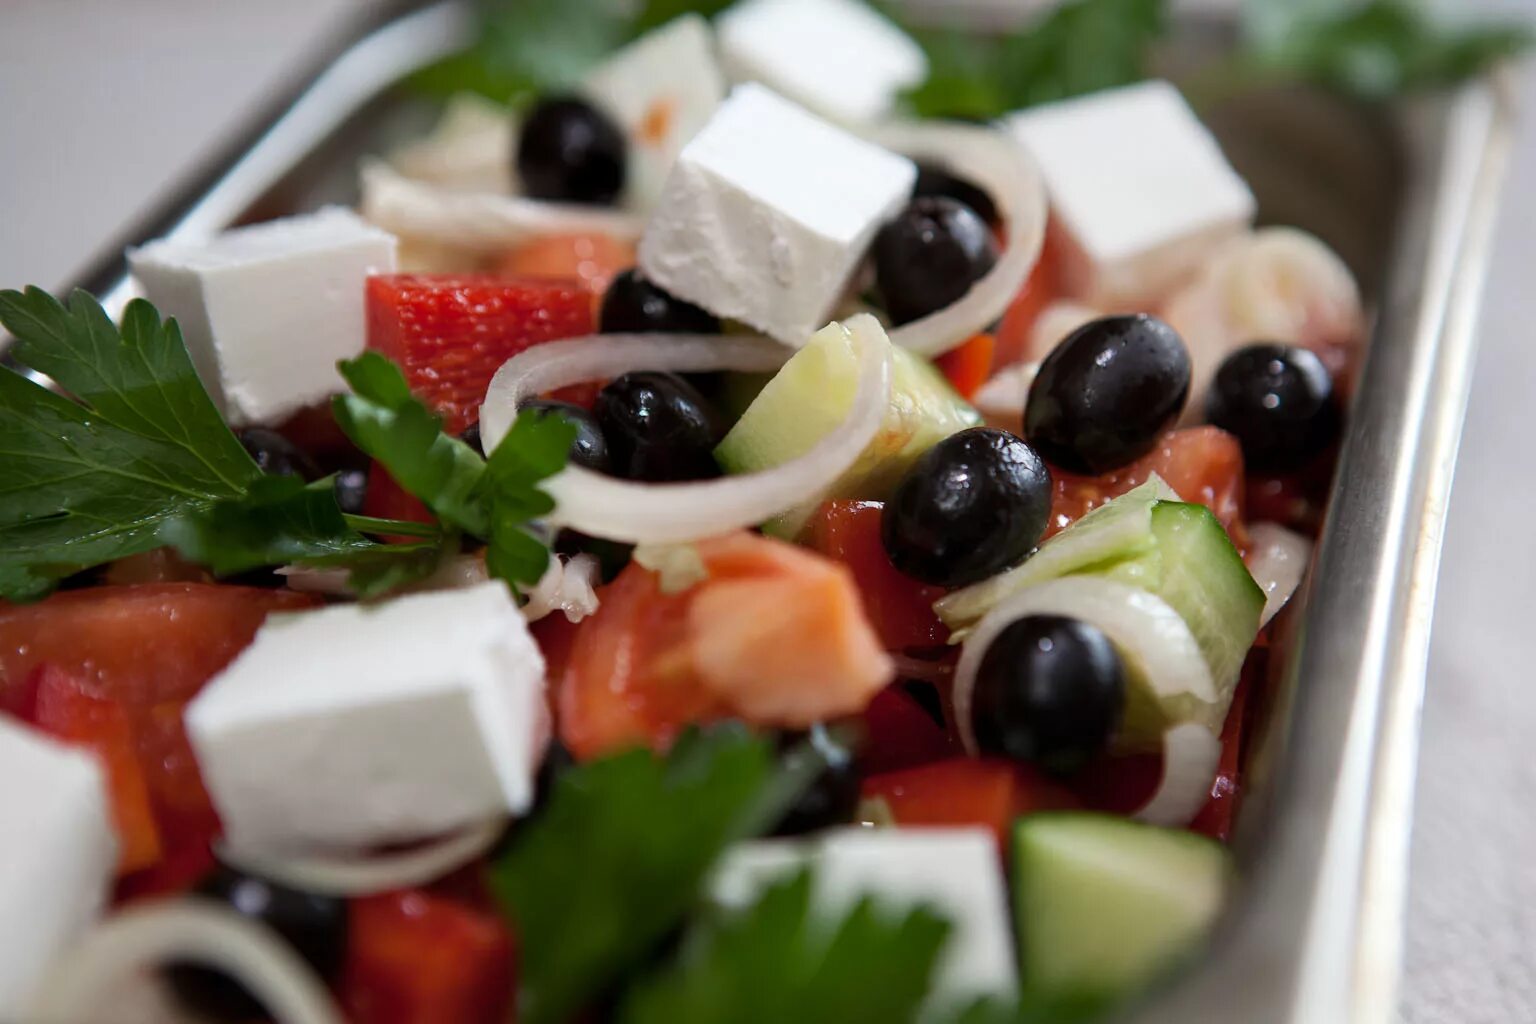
(104, 102)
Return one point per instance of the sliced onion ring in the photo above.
(190, 930)
(994, 161)
(358, 875)
(1191, 756)
(1277, 560)
(1142, 626)
(482, 221)
(639, 513)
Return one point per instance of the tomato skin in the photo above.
(417, 958)
(899, 607)
(966, 791)
(80, 714)
(1204, 465)
(150, 648)
(899, 734)
(968, 366)
(450, 333)
(1040, 289)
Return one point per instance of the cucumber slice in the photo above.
(1109, 541)
(1103, 904)
(811, 394)
(1204, 579)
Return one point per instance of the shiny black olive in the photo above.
(1106, 393)
(936, 180)
(589, 448)
(572, 152)
(973, 505)
(632, 305)
(930, 255)
(351, 490)
(1050, 690)
(832, 797)
(277, 455)
(1278, 400)
(658, 428)
(316, 927)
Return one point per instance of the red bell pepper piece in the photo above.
(416, 958)
(899, 733)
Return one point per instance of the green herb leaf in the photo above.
(534, 449)
(392, 426)
(871, 963)
(1080, 47)
(383, 568)
(1061, 1008)
(616, 857)
(1385, 48)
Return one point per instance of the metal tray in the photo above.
(1407, 195)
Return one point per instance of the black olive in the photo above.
(471, 437)
(973, 505)
(936, 180)
(1050, 690)
(658, 428)
(632, 305)
(277, 455)
(589, 448)
(832, 797)
(1106, 393)
(930, 255)
(316, 927)
(572, 152)
(351, 490)
(1278, 400)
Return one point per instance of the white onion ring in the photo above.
(358, 875)
(993, 161)
(1142, 626)
(568, 587)
(1277, 560)
(483, 221)
(1191, 757)
(190, 930)
(637, 513)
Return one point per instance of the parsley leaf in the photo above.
(613, 861)
(1384, 48)
(1078, 48)
(870, 964)
(492, 499)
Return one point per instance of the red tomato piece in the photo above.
(1215, 818)
(592, 259)
(81, 715)
(149, 647)
(899, 734)
(968, 366)
(451, 333)
(1040, 289)
(966, 791)
(1203, 464)
(900, 608)
(415, 958)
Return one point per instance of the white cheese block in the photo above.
(954, 871)
(57, 855)
(768, 212)
(1139, 188)
(660, 89)
(840, 58)
(358, 725)
(267, 310)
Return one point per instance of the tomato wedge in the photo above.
(592, 259)
(966, 791)
(968, 366)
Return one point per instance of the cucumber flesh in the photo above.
(1104, 904)
(810, 396)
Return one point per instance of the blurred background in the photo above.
(105, 105)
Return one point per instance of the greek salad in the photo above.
(703, 546)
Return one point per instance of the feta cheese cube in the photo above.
(1139, 189)
(954, 871)
(660, 89)
(267, 310)
(59, 854)
(768, 212)
(357, 725)
(840, 58)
